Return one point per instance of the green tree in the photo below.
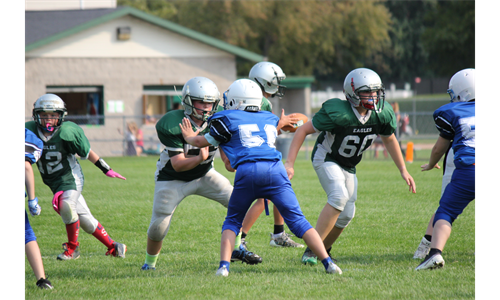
(303, 36)
(407, 57)
(449, 37)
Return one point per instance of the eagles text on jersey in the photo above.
(58, 165)
(344, 134)
(170, 135)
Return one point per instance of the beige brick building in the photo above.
(117, 64)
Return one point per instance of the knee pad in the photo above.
(67, 206)
(88, 224)
(158, 228)
(346, 216)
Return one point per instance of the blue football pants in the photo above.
(264, 179)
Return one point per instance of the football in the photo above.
(302, 120)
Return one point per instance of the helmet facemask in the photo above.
(47, 128)
(277, 83)
(365, 80)
(375, 102)
(190, 110)
(269, 76)
(201, 89)
(49, 103)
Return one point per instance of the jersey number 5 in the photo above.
(248, 140)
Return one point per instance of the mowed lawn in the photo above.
(374, 252)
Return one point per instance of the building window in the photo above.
(160, 99)
(85, 104)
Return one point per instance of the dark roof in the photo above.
(44, 27)
(43, 24)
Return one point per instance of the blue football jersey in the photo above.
(245, 136)
(457, 121)
(32, 146)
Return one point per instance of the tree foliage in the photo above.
(449, 37)
(327, 38)
(302, 36)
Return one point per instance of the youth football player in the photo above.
(61, 172)
(33, 150)
(184, 170)
(463, 80)
(456, 123)
(347, 128)
(269, 76)
(247, 136)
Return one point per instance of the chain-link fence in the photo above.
(111, 135)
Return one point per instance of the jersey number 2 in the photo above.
(55, 161)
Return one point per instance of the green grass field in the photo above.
(375, 252)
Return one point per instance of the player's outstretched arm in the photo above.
(103, 166)
(191, 136)
(392, 145)
(297, 141)
(438, 150)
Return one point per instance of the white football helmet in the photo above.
(203, 89)
(269, 76)
(364, 80)
(243, 94)
(462, 86)
(49, 103)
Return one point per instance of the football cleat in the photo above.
(118, 250)
(245, 256)
(309, 257)
(69, 253)
(434, 262)
(222, 271)
(284, 240)
(333, 269)
(44, 284)
(423, 249)
(147, 267)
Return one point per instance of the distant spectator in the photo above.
(139, 139)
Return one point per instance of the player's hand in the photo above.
(426, 167)
(187, 129)
(113, 174)
(289, 171)
(409, 181)
(35, 209)
(204, 153)
(285, 120)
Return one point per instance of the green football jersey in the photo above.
(344, 134)
(170, 136)
(58, 165)
(266, 105)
